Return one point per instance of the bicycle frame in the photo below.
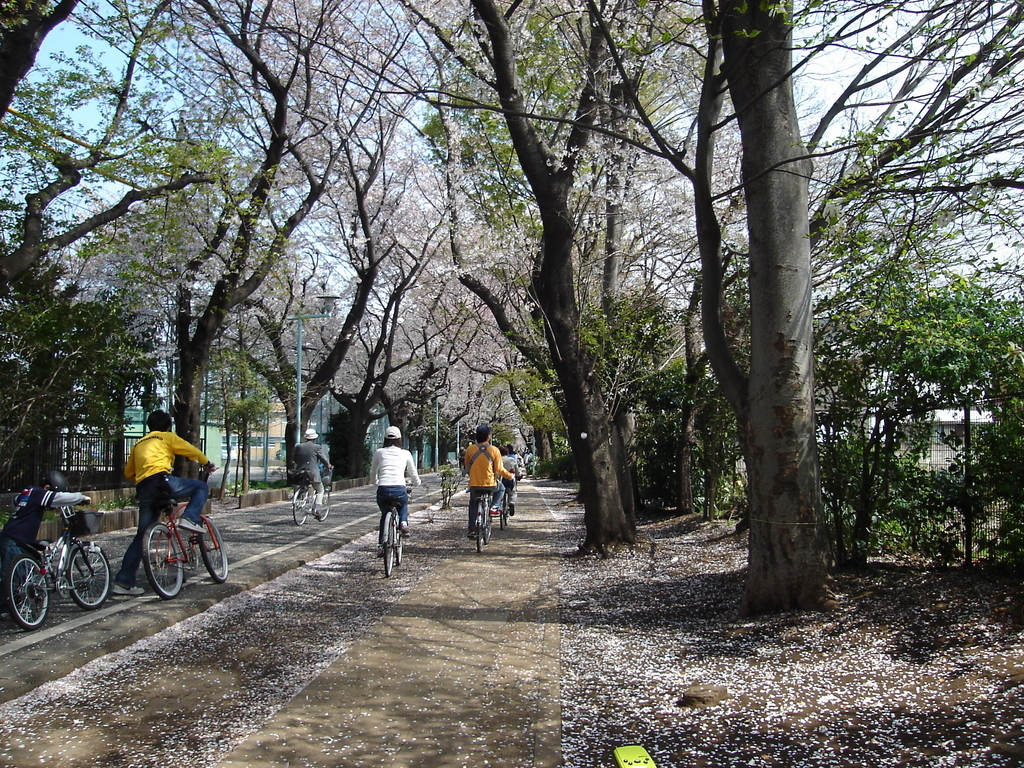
(481, 499)
(188, 548)
(392, 538)
(63, 548)
(168, 551)
(66, 566)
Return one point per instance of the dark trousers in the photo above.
(475, 492)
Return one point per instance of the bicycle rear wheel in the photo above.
(26, 593)
(399, 543)
(164, 560)
(215, 556)
(89, 576)
(481, 520)
(300, 504)
(487, 527)
(389, 544)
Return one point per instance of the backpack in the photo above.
(481, 450)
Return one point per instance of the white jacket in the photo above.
(391, 465)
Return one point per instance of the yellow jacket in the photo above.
(155, 453)
(482, 472)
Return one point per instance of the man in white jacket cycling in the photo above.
(391, 465)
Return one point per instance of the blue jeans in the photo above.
(475, 492)
(9, 549)
(196, 491)
(387, 495)
(499, 494)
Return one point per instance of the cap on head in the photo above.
(56, 481)
(393, 433)
(311, 434)
(483, 433)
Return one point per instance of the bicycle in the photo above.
(304, 498)
(481, 498)
(67, 566)
(506, 508)
(392, 538)
(166, 552)
(321, 511)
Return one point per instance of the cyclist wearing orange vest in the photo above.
(483, 464)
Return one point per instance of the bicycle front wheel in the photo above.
(325, 510)
(164, 560)
(25, 590)
(89, 576)
(487, 527)
(300, 504)
(389, 545)
(399, 543)
(215, 556)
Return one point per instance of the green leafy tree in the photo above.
(65, 180)
(245, 400)
(23, 28)
(888, 359)
(68, 363)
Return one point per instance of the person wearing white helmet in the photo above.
(391, 465)
(308, 455)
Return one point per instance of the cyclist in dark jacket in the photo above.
(29, 506)
(308, 454)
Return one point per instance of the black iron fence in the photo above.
(976, 460)
(90, 462)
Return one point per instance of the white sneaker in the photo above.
(117, 589)
(185, 524)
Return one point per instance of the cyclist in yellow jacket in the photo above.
(483, 464)
(149, 466)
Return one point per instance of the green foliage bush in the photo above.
(559, 468)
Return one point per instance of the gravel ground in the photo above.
(917, 668)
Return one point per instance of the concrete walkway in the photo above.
(464, 671)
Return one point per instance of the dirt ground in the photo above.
(918, 667)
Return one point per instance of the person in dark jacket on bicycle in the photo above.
(29, 506)
(308, 455)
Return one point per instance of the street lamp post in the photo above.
(328, 303)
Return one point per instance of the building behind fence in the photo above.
(988, 520)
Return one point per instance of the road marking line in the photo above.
(39, 636)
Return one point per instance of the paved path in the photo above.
(463, 671)
(460, 666)
(262, 543)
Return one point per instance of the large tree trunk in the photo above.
(582, 403)
(687, 441)
(551, 177)
(789, 563)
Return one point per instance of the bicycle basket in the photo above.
(299, 477)
(85, 521)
